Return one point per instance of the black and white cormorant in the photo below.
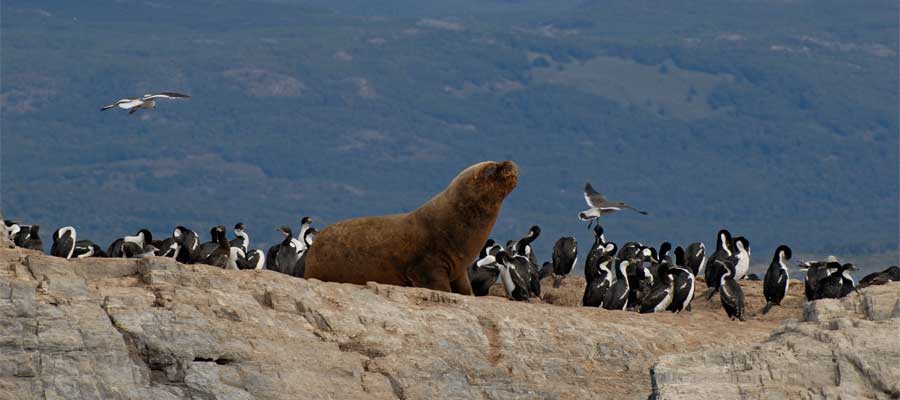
(565, 255)
(130, 246)
(285, 255)
(617, 296)
(523, 246)
(237, 259)
(600, 284)
(714, 272)
(483, 273)
(12, 229)
(63, 242)
(30, 238)
(189, 244)
(305, 225)
(815, 271)
(308, 237)
(775, 284)
(630, 250)
(169, 247)
(659, 298)
(221, 255)
(683, 284)
(837, 284)
(596, 248)
(730, 291)
(742, 267)
(207, 248)
(172, 246)
(605, 252)
(256, 259)
(510, 276)
(241, 238)
(891, 274)
(640, 280)
(85, 248)
(695, 258)
(653, 258)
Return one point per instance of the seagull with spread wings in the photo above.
(147, 101)
(600, 206)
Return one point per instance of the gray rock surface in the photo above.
(875, 304)
(156, 329)
(847, 348)
(5, 243)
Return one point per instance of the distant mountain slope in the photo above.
(776, 120)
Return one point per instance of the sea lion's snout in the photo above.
(506, 174)
(508, 169)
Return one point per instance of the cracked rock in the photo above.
(156, 329)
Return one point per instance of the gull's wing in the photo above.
(592, 197)
(632, 208)
(123, 103)
(165, 95)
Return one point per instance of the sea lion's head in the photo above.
(486, 183)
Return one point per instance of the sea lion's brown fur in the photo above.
(430, 247)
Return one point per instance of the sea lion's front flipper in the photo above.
(438, 282)
(462, 285)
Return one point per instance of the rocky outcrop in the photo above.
(876, 303)
(847, 348)
(156, 329)
(5, 243)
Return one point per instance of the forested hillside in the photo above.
(775, 119)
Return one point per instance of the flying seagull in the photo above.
(600, 206)
(148, 101)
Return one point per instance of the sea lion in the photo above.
(430, 247)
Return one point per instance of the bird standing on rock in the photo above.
(837, 284)
(241, 238)
(32, 238)
(130, 246)
(775, 284)
(596, 248)
(63, 242)
(695, 258)
(617, 296)
(714, 271)
(221, 255)
(565, 256)
(283, 257)
(660, 296)
(600, 282)
(512, 278)
(86, 248)
(483, 272)
(730, 291)
(816, 271)
(606, 253)
(683, 284)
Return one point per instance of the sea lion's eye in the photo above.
(489, 171)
